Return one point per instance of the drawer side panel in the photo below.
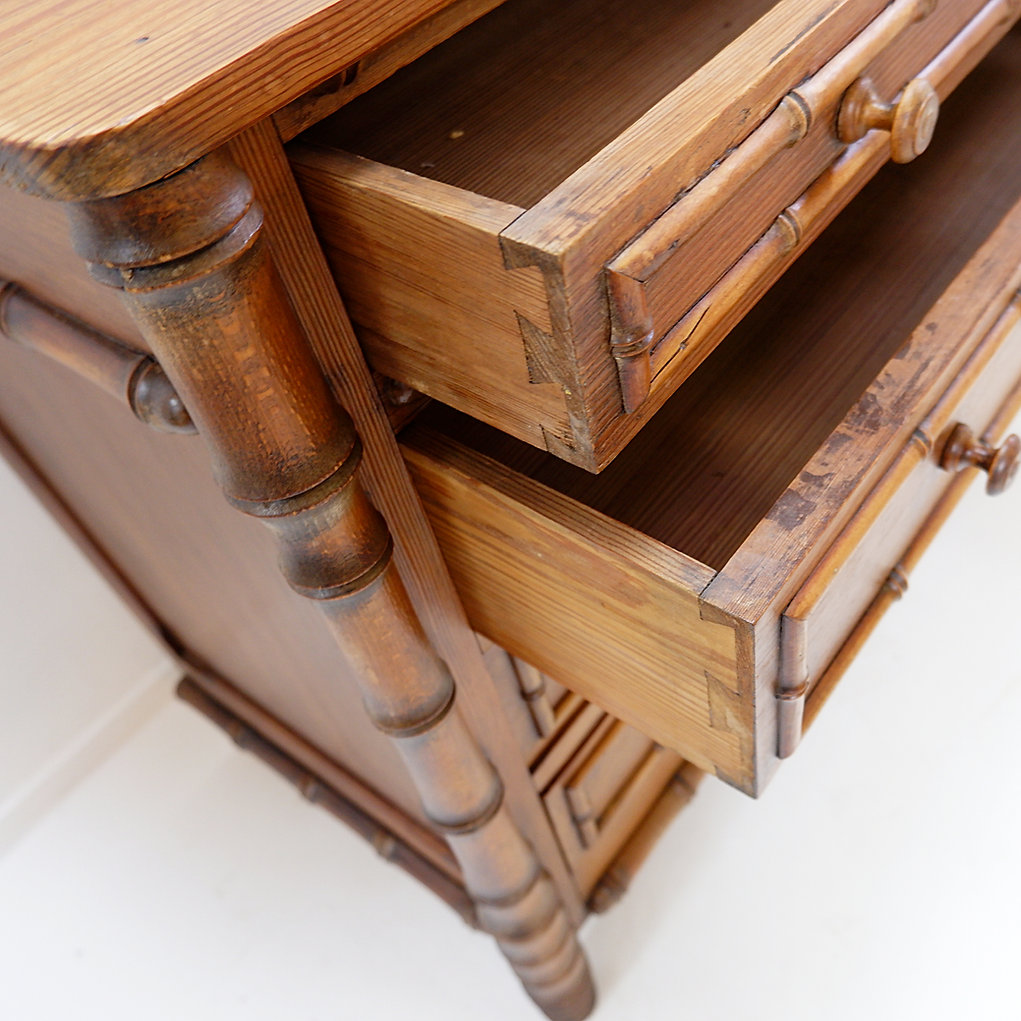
(613, 615)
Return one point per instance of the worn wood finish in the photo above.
(896, 584)
(325, 323)
(709, 163)
(624, 584)
(859, 563)
(129, 376)
(684, 282)
(216, 314)
(97, 100)
(513, 108)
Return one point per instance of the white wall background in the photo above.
(153, 871)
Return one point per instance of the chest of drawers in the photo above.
(573, 246)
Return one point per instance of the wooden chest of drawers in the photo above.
(553, 253)
(573, 218)
(810, 442)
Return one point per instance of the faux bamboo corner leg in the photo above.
(188, 255)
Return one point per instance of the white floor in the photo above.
(153, 871)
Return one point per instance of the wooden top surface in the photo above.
(97, 98)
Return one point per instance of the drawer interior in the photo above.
(514, 104)
(725, 447)
(658, 589)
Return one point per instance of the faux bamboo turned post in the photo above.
(187, 253)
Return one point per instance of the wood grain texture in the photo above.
(414, 264)
(325, 322)
(756, 464)
(97, 100)
(531, 82)
(196, 274)
(376, 66)
(666, 270)
(606, 610)
(687, 145)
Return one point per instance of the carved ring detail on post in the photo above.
(188, 256)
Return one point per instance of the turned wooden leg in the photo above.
(187, 253)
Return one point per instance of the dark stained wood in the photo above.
(218, 318)
(964, 450)
(129, 376)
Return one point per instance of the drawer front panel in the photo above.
(865, 557)
(603, 793)
(663, 285)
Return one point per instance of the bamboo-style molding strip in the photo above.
(319, 791)
(188, 254)
(617, 879)
(129, 376)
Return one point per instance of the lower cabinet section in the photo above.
(599, 778)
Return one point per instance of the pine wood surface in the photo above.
(328, 328)
(545, 86)
(98, 99)
(756, 464)
(659, 284)
(377, 66)
(576, 171)
(446, 243)
(757, 409)
(603, 794)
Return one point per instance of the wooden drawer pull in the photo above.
(963, 450)
(910, 120)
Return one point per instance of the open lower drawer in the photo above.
(713, 573)
(550, 220)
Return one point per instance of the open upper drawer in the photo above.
(703, 587)
(550, 220)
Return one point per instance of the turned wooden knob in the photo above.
(963, 450)
(911, 120)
